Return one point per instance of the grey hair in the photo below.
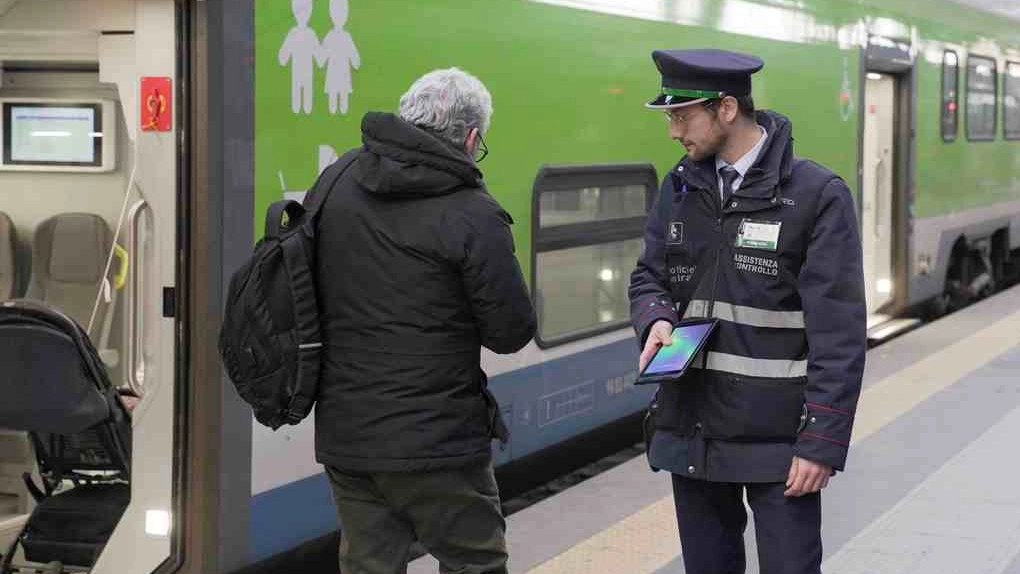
(448, 102)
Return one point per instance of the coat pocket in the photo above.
(753, 409)
(676, 404)
(496, 425)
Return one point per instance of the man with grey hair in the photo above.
(416, 273)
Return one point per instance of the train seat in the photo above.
(69, 254)
(57, 390)
(8, 259)
(16, 459)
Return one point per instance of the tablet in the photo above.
(670, 362)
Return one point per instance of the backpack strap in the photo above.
(319, 193)
(314, 199)
(274, 217)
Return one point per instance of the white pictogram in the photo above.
(338, 54)
(846, 100)
(300, 49)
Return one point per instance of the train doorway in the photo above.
(89, 102)
(879, 189)
(888, 85)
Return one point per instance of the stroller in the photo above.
(55, 388)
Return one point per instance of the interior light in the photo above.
(45, 134)
(606, 275)
(884, 286)
(95, 134)
(874, 76)
(157, 522)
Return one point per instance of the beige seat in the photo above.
(10, 528)
(8, 259)
(69, 255)
(16, 458)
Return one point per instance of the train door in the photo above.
(88, 184)
(877, 233)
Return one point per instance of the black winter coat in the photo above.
(780, 265)
(416, 272)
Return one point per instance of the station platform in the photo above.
(930, 485)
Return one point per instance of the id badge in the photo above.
(755, 234)
(676, 232)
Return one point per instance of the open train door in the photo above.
(887, 148)
(879, 188)
(91, 152)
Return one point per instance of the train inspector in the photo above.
(768, 243)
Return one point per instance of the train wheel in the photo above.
(955, 293)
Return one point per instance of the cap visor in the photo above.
(665, 102)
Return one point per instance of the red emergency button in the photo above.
(156, 97)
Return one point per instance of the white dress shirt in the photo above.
(742, 165)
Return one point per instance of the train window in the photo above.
(950, 100)
(570, 206)
(1011, 102)
(588, 223)
(982, 79)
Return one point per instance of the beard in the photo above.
(706, 147)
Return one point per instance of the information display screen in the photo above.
(53, 134)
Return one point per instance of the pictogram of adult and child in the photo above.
(303, 51)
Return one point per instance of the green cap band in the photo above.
(691, 93)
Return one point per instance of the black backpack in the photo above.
(270, 341)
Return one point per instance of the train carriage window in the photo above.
(950, 99)
(588, 225)
(982, 79)
(1011, 102)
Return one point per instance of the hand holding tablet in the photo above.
(671, 361)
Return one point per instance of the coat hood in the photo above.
(401, 160)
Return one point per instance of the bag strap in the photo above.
(314, 199)
(318, 194)
(274, 217)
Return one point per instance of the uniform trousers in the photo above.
(455, 514)
(712, 518)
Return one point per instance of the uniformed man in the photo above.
(768, 243)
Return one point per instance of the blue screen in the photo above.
(673, 357)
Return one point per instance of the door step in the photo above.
(883, 327)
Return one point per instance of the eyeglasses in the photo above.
(481, 150)
(673, 116)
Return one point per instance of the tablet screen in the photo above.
(685, 343)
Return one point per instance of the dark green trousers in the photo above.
(455, 514)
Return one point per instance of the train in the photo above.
(143, 141)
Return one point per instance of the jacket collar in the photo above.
(770, 170)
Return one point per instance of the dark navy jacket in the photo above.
(782, 373)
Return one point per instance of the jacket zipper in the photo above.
(715, 278)
(718, 254)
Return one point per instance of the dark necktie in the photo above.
(729, 175)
